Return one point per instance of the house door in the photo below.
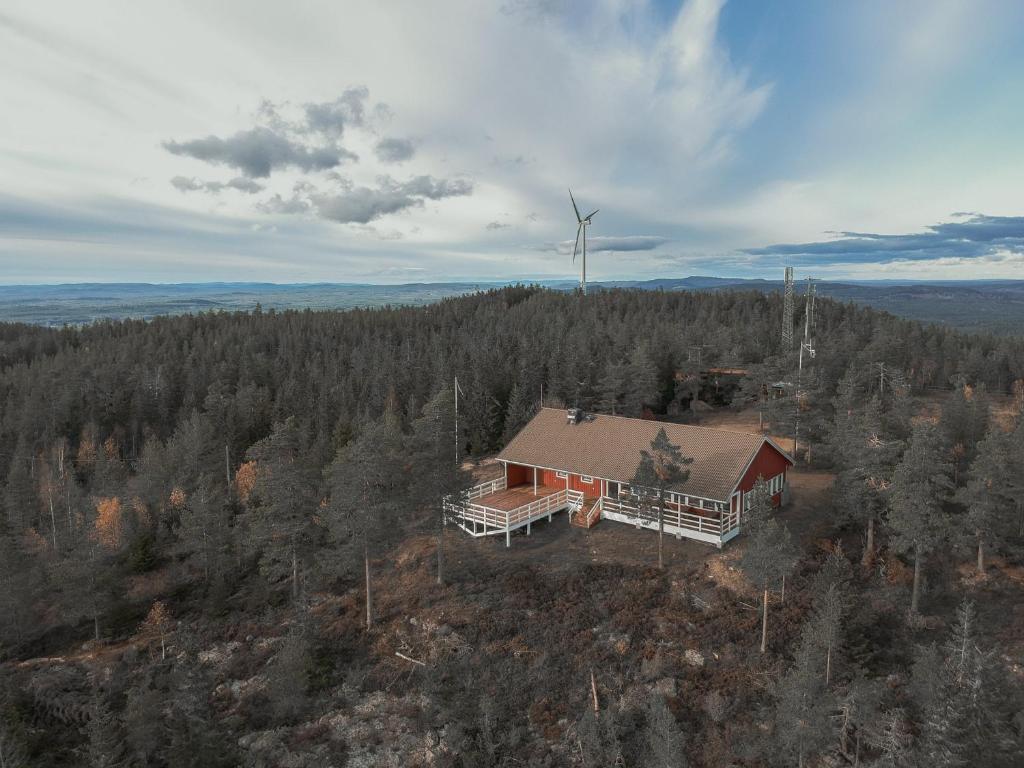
(613, 490)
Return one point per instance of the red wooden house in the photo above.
(583, 464)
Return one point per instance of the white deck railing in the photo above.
(673, 518)
(480, 519)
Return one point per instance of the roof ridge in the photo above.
(663, 423)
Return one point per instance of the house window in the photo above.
(586, 479)
(775, 484)
(561, 475)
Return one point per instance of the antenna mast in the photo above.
(787, 311)
(808, 342)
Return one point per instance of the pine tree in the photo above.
(665, 741)
(286, 505)
(641, 383)
(965, 419)
(612, 388)
(893, 741)
(803, 707)
(436, 474)
(866, 454)
(988, 493)
(769, 556)
(921, 485)
(369, 483)
(204, 531)
(106, 738)
(661, 470)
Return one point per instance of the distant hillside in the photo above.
(995, 306)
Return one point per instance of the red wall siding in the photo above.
(518, 474)
(767, 464)
(547, 477)
(592, 488)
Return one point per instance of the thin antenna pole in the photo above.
(456, 421)
(787, 311)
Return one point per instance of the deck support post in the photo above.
(508, 535)
(534, 481)
(528, 522)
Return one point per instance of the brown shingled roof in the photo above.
(609, 447)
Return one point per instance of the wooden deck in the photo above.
(489, 509)
(517, 496)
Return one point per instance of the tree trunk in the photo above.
(981, 557)
(828, 664)
(295, 575)
(440, 554)
(53, 518)
(868, 560)
(916, 594)
(661, 535)
(369, 594)
(764, 622)
(96, 626)
(782, 594)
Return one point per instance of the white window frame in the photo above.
(561, 475)
(586, 479)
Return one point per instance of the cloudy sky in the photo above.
(406, 141)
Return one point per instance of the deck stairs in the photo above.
(587, 513)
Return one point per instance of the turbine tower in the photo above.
(582, 222)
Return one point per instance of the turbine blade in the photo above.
(591, 213)
(578, 230)
(574, 206)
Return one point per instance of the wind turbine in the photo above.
(582, 224)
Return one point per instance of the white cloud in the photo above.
(645, 119)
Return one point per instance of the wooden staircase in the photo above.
(588, 514)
